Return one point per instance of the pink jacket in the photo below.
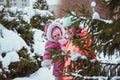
(48, 56)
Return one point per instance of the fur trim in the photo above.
(51, 26)
(46, 27)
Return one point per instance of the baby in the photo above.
(54, 32)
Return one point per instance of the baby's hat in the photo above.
(53, 29)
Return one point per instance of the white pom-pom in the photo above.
(93, 4)
(95, 15)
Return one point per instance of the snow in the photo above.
(1, 8)
(9, 58)
(52, 2)
(11, 42)
(6, 42)
(95, 15)
(13, 10)
(93, 4)
(27, 13)
(38, 42)
(41, 74)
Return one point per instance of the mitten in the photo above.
(63, 43)
(46, 63)
(75, 57)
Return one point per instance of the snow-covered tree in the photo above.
(40, 4)
(20, 21)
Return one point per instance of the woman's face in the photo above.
(70, 31)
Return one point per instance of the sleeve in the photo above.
(47, 55)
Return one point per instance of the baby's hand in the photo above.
(62, 41)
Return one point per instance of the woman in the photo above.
(83, 47)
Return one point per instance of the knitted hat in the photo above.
(67, 21)
(53, 29)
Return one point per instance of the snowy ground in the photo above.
(41, 74)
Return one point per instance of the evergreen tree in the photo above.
(40, 4)
(38, 21)
(105, 34)
(17, 23)
(106, 38)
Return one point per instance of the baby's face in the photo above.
(57, 37)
